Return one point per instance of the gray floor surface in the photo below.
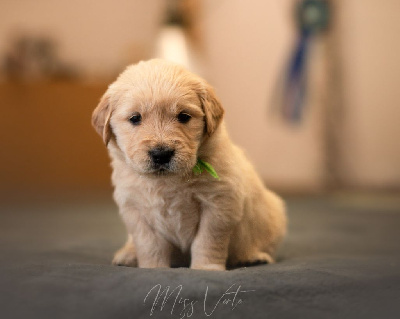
(340, 260)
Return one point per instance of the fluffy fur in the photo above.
(171, 214)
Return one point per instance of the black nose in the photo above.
(161, 155)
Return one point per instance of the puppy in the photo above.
(157, 120)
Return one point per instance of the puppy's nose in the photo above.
(161, 155)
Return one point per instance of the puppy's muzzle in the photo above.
(161, 156)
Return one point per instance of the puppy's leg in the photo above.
(153, 251)
(209, 249)
(251, 258)
(126, 256)
(261, 257)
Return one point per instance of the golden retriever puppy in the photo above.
(184, 190)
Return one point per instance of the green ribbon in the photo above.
(202, 166)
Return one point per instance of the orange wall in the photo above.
(246, 45)
(100, 37)
(47, 142)
(370, 50)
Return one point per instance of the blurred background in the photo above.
(310, 88)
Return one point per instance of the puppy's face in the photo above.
(159, 133)
(158, 114)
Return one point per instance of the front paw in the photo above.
(257, 258)
(208, 267)
(126, 256)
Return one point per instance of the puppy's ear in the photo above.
(101, 118)
(212, 108)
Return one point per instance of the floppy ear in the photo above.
(212, 108)
(101, 118)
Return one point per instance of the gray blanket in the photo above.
(340, 260)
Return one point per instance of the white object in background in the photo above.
(172, 46)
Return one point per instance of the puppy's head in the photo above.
(159, 114)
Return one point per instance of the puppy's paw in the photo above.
(209, 267)
(257, 259)
(126, 256)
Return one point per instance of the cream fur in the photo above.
(177, 215)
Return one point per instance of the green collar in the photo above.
(202, 166)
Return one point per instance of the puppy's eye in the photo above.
(184, 117)
(135, 119)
